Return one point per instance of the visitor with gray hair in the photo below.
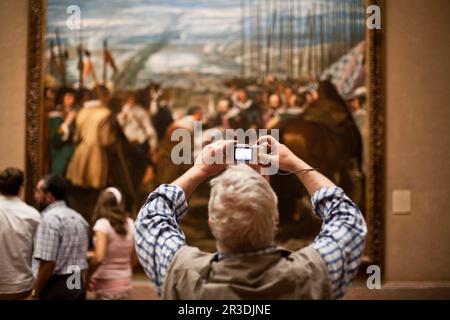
(243, 218)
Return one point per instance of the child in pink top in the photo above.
(114, 248)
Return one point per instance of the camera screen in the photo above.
(243, 154)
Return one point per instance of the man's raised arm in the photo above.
(342, 236)
(158, 235)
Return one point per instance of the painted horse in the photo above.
(326, 137)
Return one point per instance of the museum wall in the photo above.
(417, 136)
(418, 139)
(13, 63)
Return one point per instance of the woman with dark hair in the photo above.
(111, 266)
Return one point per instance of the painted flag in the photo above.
(348, 73)
(110, 60)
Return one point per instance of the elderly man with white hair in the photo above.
(243, 218)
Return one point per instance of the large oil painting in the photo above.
(117, 78)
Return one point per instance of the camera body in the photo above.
(244, 153)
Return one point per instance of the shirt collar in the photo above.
(222, 255)
(56, 204)
(10, 198)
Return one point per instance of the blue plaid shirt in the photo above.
(62, 236)
(340, 241)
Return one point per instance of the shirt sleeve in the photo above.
(158, 236)
(341, 240)
(47, 240)
(102, 225)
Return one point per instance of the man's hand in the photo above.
(212, 159)
(45, 272)
(279, 153)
